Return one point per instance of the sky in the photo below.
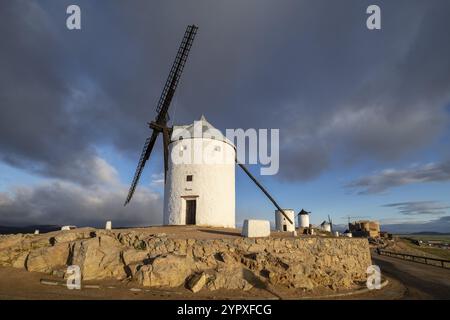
(363, 114)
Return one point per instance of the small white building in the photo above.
(347, 234)
(303, 219)
(281, 223)
(68, 228)
(256, 228)
(200, 183)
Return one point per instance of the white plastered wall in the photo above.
(212, 185)
(280, 220)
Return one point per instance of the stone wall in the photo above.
(156, 260)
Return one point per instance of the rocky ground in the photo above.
(203, 260)
(20, 284)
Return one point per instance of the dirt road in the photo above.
(421, 281)
(20, 284)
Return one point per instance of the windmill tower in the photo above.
(200, 191)
(303, 219)
(194, 193)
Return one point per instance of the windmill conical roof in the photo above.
(206, 127)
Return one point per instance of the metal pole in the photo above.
(264, 190)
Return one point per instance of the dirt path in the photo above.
(20, 284)
(421, 281)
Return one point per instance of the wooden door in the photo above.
(191, 206)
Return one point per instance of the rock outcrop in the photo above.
(156, 260)
(47, 259)
(99, 258)
(197, 282)
(165, 271)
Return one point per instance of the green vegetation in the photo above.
(423, 237)
(436, 252)
(441, 253)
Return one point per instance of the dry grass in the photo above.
(414, 249)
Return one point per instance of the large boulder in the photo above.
(73, 235)
(165, 271)
(132, 256)
(230, 277)
(197, 282)
(99, 258)
(20, 261)
(47, 259)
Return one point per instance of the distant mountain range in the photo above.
(429, 233)
(438, 227)
(28, 229)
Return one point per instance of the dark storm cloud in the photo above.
(63, 203)
(338, 92)
(310, 68)
(60, 202)
(382, 102)
(384, 180)
(420, 207)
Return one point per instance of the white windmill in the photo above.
(195, 193)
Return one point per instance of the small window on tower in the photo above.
(217, 148)
(189, 177)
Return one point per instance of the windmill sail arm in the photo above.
(148, 146)
(175, 73)
(264, 191)
(160, 123)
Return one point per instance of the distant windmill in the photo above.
(159, 125)
(331, 223)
